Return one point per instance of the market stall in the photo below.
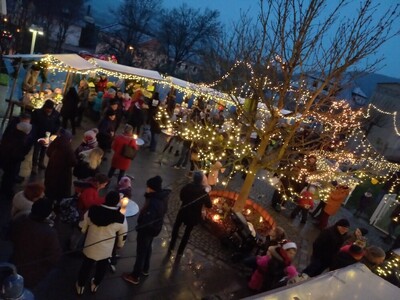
(353, 282)
(41, 90)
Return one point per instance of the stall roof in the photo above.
(353, 282)
(71, 61)
(126, 70)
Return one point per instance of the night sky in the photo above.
(390, 65)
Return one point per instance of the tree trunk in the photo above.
(254, 167)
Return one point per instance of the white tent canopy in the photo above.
(69, 61)
(353, 282)
(126, 70)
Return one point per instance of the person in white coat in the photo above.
(101, 224)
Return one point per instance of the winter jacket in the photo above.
(118, 161)
(58, 176)
(345, 258)
(193, 197)
(36, 249)
(271, 269)
(83, 94)
(89, 197)
(41, 123)
(335, 200)
(327, 245)
(20, 205)
(306, 198)
(101, 225)
(106, 133)
(13, 149)
(70, 104)
(151, 216)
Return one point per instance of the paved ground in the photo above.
(206, 268)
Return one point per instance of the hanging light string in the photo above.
(388, 113)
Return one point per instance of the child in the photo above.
(125, 187)
(305, 203)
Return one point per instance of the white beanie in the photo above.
(289, 245)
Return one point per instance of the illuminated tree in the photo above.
(295, 56)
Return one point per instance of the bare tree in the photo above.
(184, 31)
(133, 19)
(297, 53)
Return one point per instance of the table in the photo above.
(131, 209)
(139, 142)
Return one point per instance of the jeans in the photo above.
(175, 232)
(183, 159)
(153, 141)
(65, 123)
(143, 253)
(39, 151)
(84, 272)
(112, 171)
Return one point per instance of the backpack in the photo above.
(68, 211)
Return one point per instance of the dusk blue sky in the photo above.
(230, 11)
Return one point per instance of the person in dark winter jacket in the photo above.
(193, 197)
(36, 246)
(348, 255)
(70, 108)
(106, 132)
(326, 246)
(102, 224)
(13, 149)
(149, 225)
(88, 163)
(58, 176)
(46, 119)
(83, 96)
(10, 131)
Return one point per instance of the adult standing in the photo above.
(23, 200)
(12, 152)
(36, 245)
(58, 176)
(88, 163)
(69, 109)
(118, 160)
(106, 132)
(11, 130)
(83, 94)
(150, 222)
(136, 115)
(193, 197)
(335, 200)
(46, 119)
(326, 246)
(104, 225)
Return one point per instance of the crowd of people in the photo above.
(62, 215)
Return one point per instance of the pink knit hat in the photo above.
(90, 136)
(124, 183)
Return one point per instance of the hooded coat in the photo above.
(102, 224)
(193, 197)
(335, 200)
(118, 161)
(327, 245)
(58, 176)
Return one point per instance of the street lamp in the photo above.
(35, 31)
